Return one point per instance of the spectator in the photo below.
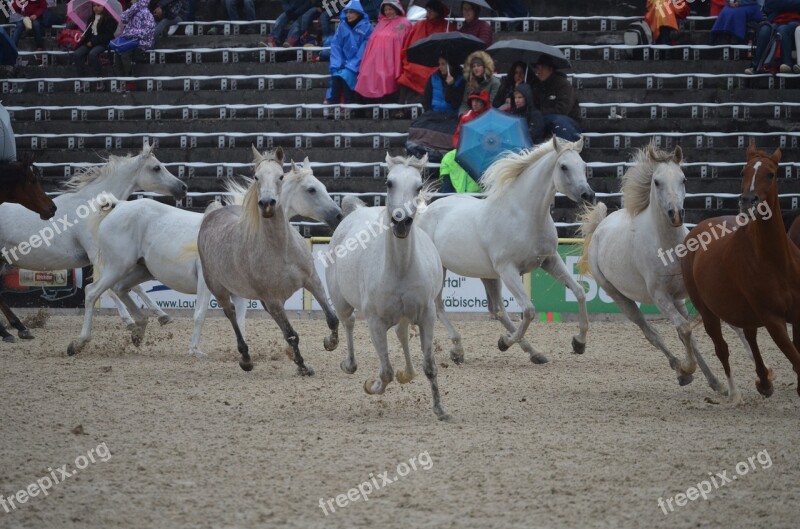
(54, 15)
(511, 9)
(304, 23)
(662, 17)
(472, 25)
(555, 98)
(381, 66)
(347, 50)
(796, 67)
(454, 178)
(249, 13)
(734, 18)
(479, 75)
(292, 10)
(523, 107)
(137, 23)
(99, 32)
(444, 92)
(169, 13)
(415, 76)
(518, 74)
(32, 12)
(784, 18)
(717, 6)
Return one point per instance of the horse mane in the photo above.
(92, 173)
(237, 191)
(636, 180)
(508, 167)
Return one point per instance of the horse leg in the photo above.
(377, 331)
(713, 382)
(8, 338)
(494, 297)
(139, 317)
(666, 305)
(407, 375)
(200, 311)
(122, 311)
(224, 300)
(14, 321)
(163, 317)
(345, 312)
(554, 266)
(513, 281)
(457, 352)
(240, 304)
(93, 293)
(426, 324)
(765, 375)
(275, 309)
(780, 335)
(314, 285)
(632, 312)
(713, 328)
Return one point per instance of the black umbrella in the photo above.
(455, 6)
(509, 51)
(453, 46)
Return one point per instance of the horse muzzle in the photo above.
(748, 201)
(333, 219)
(49, 214)
(179, 192)
(268, 207)
(401, 228)
(676, 216)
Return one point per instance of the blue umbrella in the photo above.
(8, 52)
(483, 139)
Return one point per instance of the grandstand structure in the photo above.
(204, 99)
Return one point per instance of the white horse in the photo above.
(70, 243)
(629, 252)
(145, 239)
(251, 251)
(394, 279)
(511, 233)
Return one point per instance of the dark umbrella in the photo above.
(453, 46)
(528, 51)
(482, 140)
(455, 6)
(8, 52)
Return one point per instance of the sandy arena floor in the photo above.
(584, 441)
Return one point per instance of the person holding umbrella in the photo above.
(99, 32)
(555, 98)
(443, 91)
(479, 75)
(516, 76)
(454, 178)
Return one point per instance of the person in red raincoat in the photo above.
(662, 17)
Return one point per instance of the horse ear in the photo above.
(776, 156)
(579, 145)
(751, 149)
(651, 152)
(279, 155)
(256, 155)
(677, 154)
(294, 165)
(147, 150)
(555, 144)
(389, 160)
(307, 163)
(424, 161)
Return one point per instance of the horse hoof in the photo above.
(198, 353)
(330, 343)
(9, 339)
(404, 378)
(369, 384)
(305, 371)
(577, 347)
(685, 380)
(539, 358)
(246, 365)
(457, 357)
(72, 350)
(767, 391)
(501, 344)
(25, 334)
(165, 319)
(131, 326)
(349, 370)
(136, 339)
(444, 417)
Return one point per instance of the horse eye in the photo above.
(658, 184)
(281, 178)
(563, 167)
(312, 190)
(419, 189)
(157, 168)
(389, 184)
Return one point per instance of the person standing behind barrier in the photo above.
(555, 98)
(347, 50)
(444, 89)
(137, 23)
(381, 66)
(99, 32)
(32, 12)
(479, 75)
(473, 25)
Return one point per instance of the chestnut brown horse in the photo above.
(18, 184)
(794, 232)
(747, 273)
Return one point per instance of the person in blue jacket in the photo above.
(347, 50)
(445, 89)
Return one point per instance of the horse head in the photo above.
(403, 188)
(269, 181)
(152, 175)
(760, 180)
(26, 190)
(569, 171)
(304, 195)
(668, 183)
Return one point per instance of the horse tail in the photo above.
(351, 203)
(590, 218)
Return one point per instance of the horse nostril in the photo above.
(272, 202)
(588, 197)
(408, 220)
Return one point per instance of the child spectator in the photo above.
(381, 66)
(445, 89)
(454, 178)
(479, 75)
(522, 101)
(554, 97)
(137, 23)
(347, 50)
(99, 32)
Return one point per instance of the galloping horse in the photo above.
(511, 233)
(624, 252)
(394, 279)
(251, 251)
(19, 185)
(747, 275)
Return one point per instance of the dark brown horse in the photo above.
(747, 272)
(18, 184)
(794, 232)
